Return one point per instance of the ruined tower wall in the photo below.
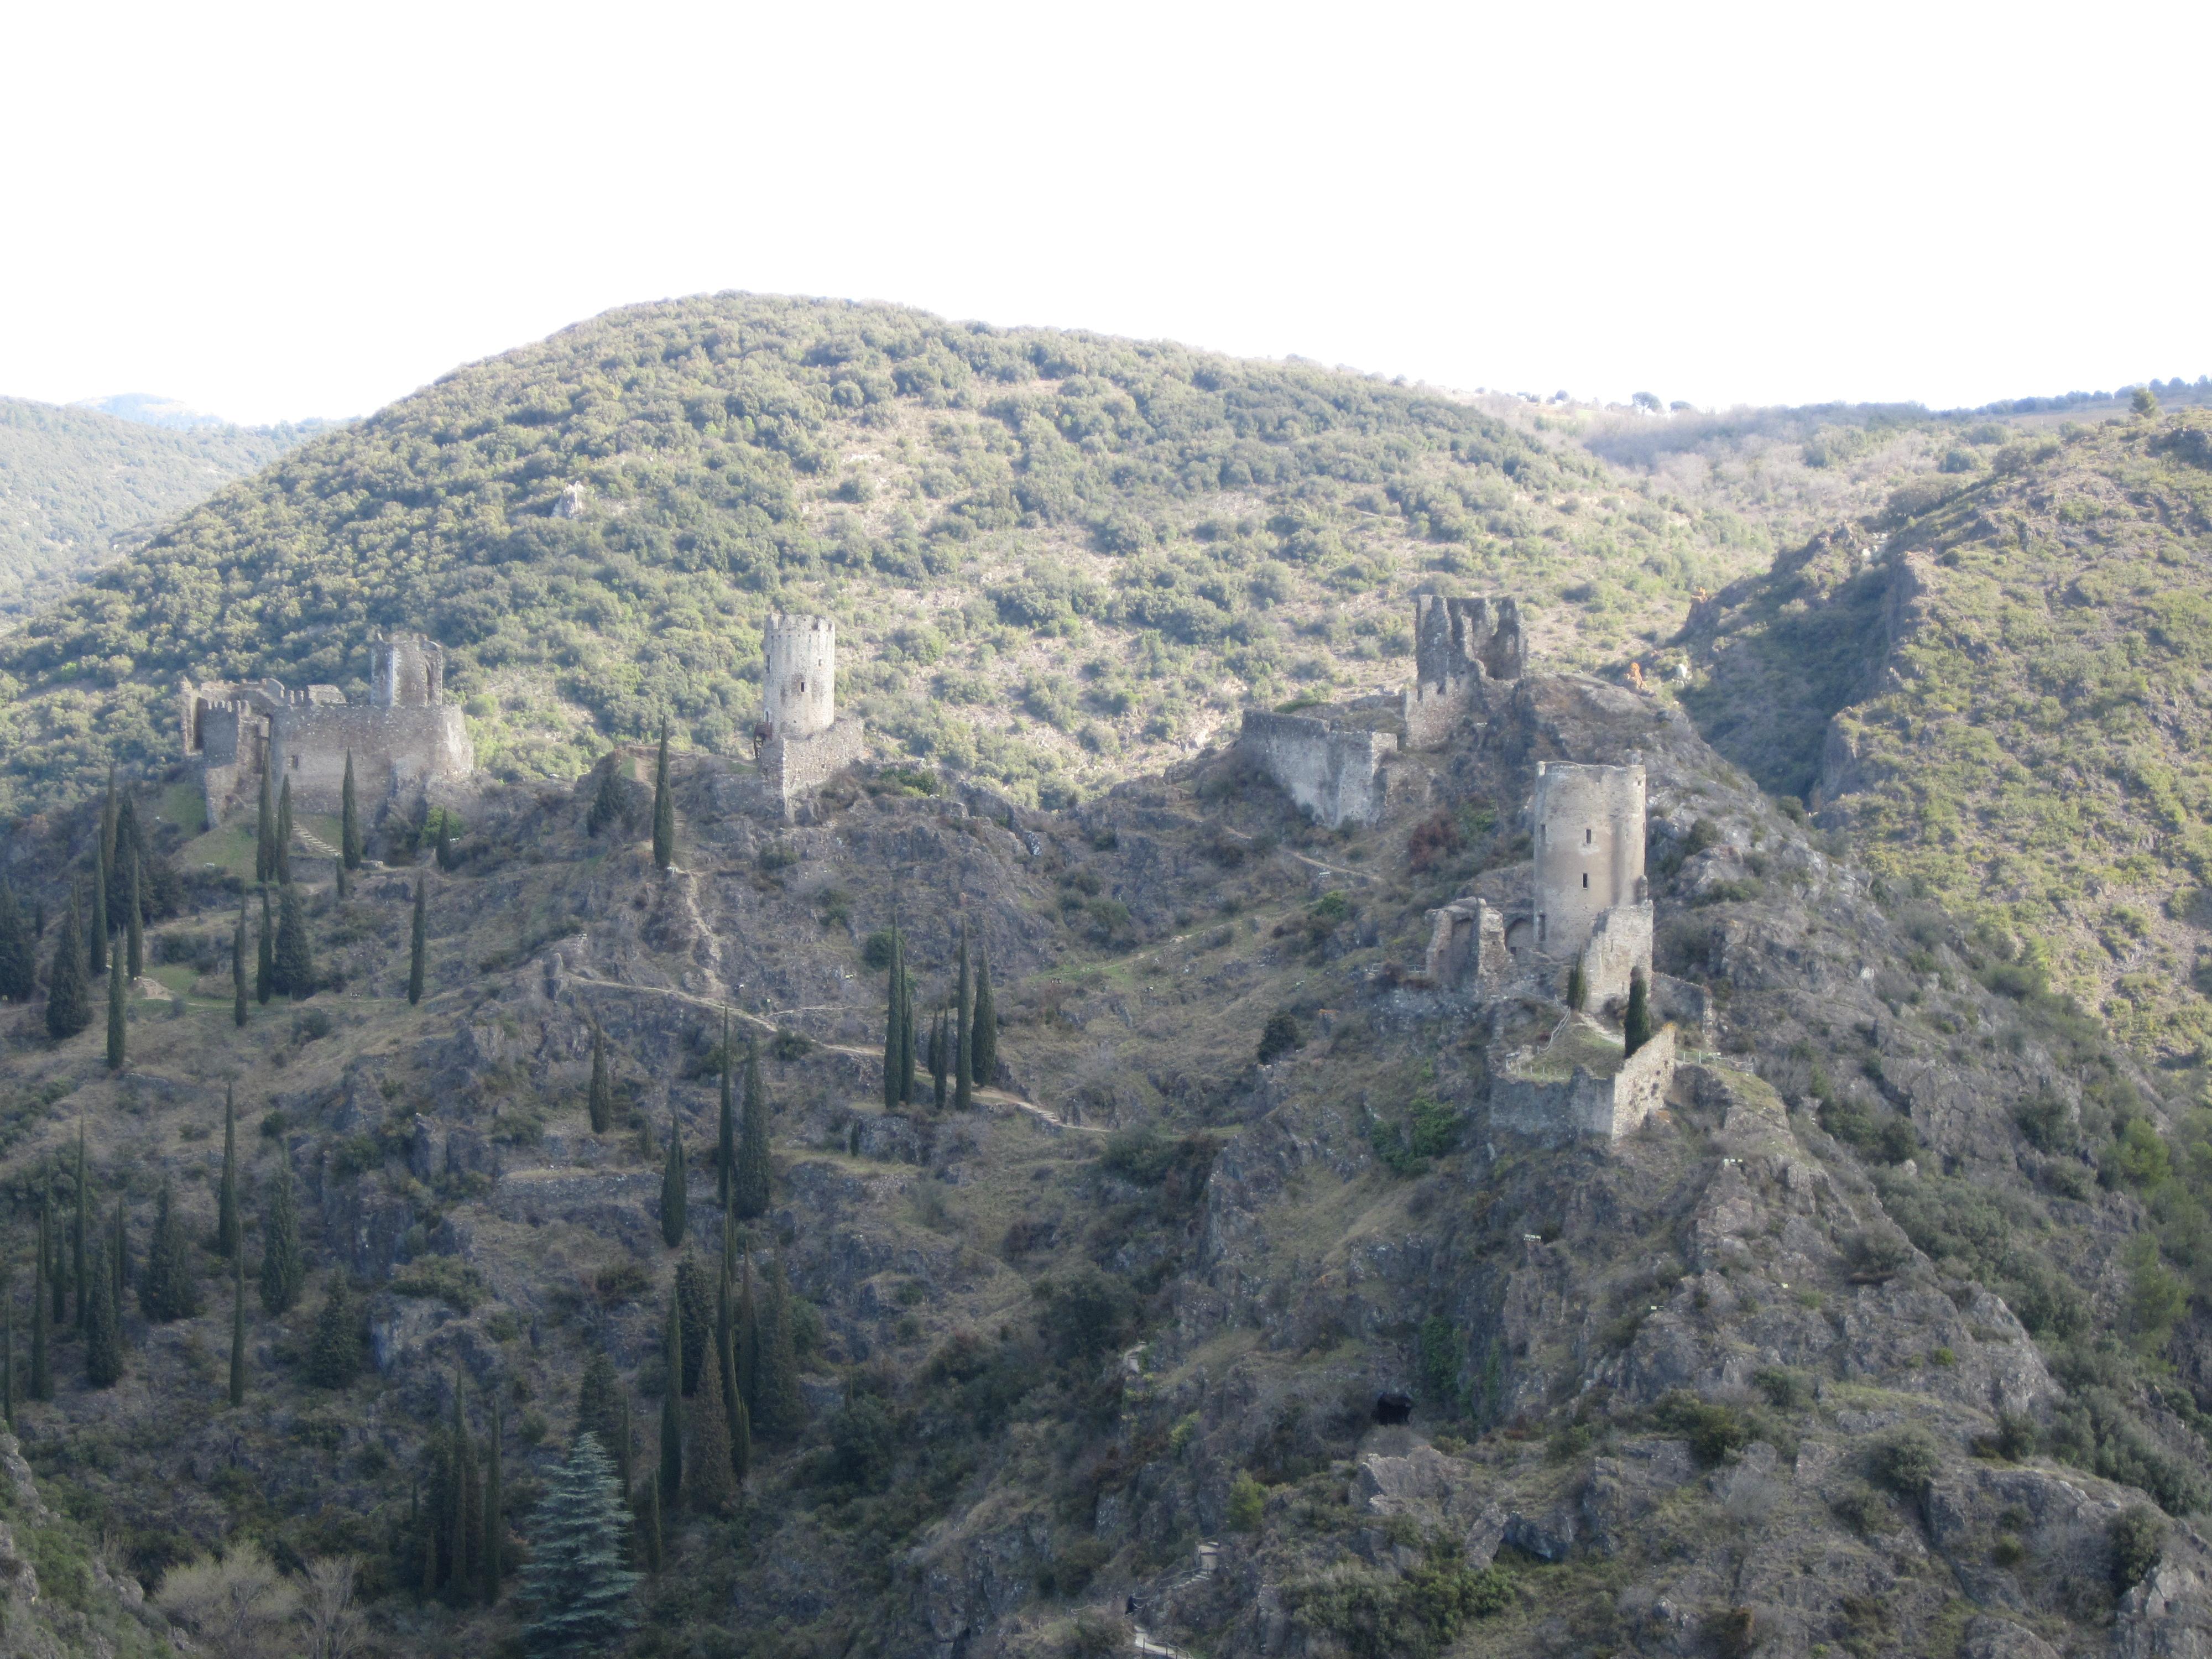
(1587, 823)
(1334, 773)
(406, 671)
(1459, 647)
(396, 751)
(802, 675)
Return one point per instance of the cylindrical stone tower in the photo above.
(802, 675)
(1588, 831)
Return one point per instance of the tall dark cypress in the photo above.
(983, 1045)
(963, 1020)
(725, 1128)
(169, 1288)
(116, 1041)
(238, 993)
(295, 955)
(909, 1056)
(349, 842)
(895, 1059)
(674, 1185)
(418, 943)
(708, 1461)
(663, 808)
(607, 799)
(672, 1395)
(284, 1270)
(265, 831)
(265, 966)
(282, 869)
(494, 1518)
(237, 1328)
(651, 1530)
(739, 1424)
(1636, 1023)
(42, 1373)
(98, 936)
(103, 1325)
(780, 1410)
(134, 917)
(19, 968)
(228, 1229)
(464, 1498)
(752, 1189)
(81, 1226)
(128, 842)
(744, 1338)
(8, 1358)
(445, 843)
(601, 1099)
(698, 1312)
(103, 852)
(69, 996)
(118, 1271)
(940, 1057)
(58, 1271)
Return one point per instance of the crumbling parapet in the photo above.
(1461, 648)
(1467, 947)
(1536, 1093)
(1334, 771)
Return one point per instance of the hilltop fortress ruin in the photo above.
(403, 739)
(802, 739)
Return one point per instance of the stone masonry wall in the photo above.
(1333, 773)
(792, 767)
(1585, 1106)
(396, 751)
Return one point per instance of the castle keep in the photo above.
(403, 739)
(802, 740)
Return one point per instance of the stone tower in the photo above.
(1590, 896)
(802, 675)
(406, 671)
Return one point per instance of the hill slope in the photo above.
(78, 486)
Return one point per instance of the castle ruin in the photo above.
(802, 740)
(405, 737)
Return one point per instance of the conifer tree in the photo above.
(334, 1356)
(228, 1227)
(19, 967)
(673, 1184)
(237, 1328)
(898, 1062)
(283, 868)
(339, 883)
(601, 1099)
(607, 799)
(264, 965)
(598, 1400)
(752, 1187)
(7, 1358)
(725, 1128)
(283, 1270)
(296, 958)
(103, 1325)
(350, 842)
(464, 1517)
(963, 1030)
(134, 918)
(168, 1288)
(697, 1315)
(779, 1411)
(103, 850)
(98, 935)
(69, 999)
(725, 1361)
(663, 808)
(983, 1045)
(58, 1272)
(940, 1057)
(708, 1461)
(80, 1229)
(744, 1339)
(238, 967)
(444, 844)
(117, 1043)
(265, 832)
(495, 1513)
(577, 1582)
(1636, 1023)
(128, 841)
(650, 1528)
(671, 1395)
(1577, 986)
(625, 1451)
(418, 943)
(42, 1375)
(120, 1272)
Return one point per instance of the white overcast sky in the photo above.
(312, 209)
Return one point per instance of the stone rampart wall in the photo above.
(397, 751)
(792, 767)
(1585, 1106)
(1333, 773)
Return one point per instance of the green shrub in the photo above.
(1247, 1505)
(1905, 1461)
(1712, 1429)
(2138, 1539)
(1439, 1350)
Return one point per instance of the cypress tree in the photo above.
(1577, 986)
(334, 1357)
(751, 1189)
(98, 936)
(265, 831)
(601, 1099)
(42, 1375)
(607, 799)
(726, 1362)
(940, 1057)
(598, 1400)
(651, 1526)
(57, 1273)
(671, 1394)
(265, 966)
(445, 846)
(673, 1192)
(81, 1227)
(745, 1340)
(578, 1582)
(896, 1060)
(117, 1043)
(495, 1519)
(780, 1410)
(295, 958)
(663, 808)
(227, 1229)
(8, 1360)
(964, 1029)
(708, 1461)
(463, 1510)
(134, 918)
(103, 851)
(237, 1328)
(698, 1322)
(168, 1289)
(282, 869)
(128, 841)
(238, 967)
(1636, 1023)
(103, 1326)
(19, 967)
(417, 941)
(283, 1271)
(69, 999)
(350, 843)
(120, 1272)
(338, 879)
(983, 1046)
(725, 1128)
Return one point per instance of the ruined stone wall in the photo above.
(1467, 947)
(1587, 823)
(1461, 648)
(397, 751)
(1584, 1106)
(1334, 773)
(406, 671)
(1619, 943)
(792, 767)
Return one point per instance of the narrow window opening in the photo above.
(1585, 878)
(1586, 838)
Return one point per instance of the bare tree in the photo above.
(239, 1608)
(336, 1629)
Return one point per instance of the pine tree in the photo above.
(598, 1400)
(708, 1461)
(265, 832)
(725, 1127)
(1636, 1024)
(349, 842)
(296, 958)
(228, 1228)
(607, 799)
(19, 967)
(265, 966)
(940, 1057)
(752, 1188)
(417, 944)
(42, 1375)
(334, 1356)
(134, 918)
(283, 1274)
(168, 1289)
(116, 1042)
(494, 1514)
(103, 1326)
(1577, 986)
(673, 1185)
(238, 967)
(963, 1030)
(283, 868)
(237, 1328)
(577, 1582)
(780, 1410)
(601, 1099)
(663, 808)
(69, 999)
(672, 1395)
(698, 1320)
(983, 1045)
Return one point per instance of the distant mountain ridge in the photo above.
(151, 409)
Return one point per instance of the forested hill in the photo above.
(1053, 555)
(77, 485)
